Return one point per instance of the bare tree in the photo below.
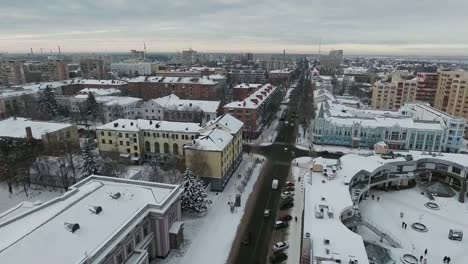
(113, 168)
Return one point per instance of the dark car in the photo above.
(278, 257)
(287, 200)
(280, 225)
(289, 189)
(285, 206)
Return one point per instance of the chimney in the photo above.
(29, 135)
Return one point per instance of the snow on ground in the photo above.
(208, 239)
(270, 132)
(304, 138)
(286, 97)
(386, 213)
(35, 193)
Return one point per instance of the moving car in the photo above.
(278, 257)
(290, 183)
(280, 246)
(280, 224)
(266, 213)
(287, 200)
(285, 195)
(289, 189)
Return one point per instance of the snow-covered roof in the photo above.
(228, 122)
(217, 77)
(185, 80)
(254, 100)
(153, 125)
(99, 92)
(287, 70)
(248, 85)
(53, 85)
(98, 233)
(212, 140)
(386, 122)
(112, 100)
(16, 127)
(355, 70)
(16, 93)
(173, 102)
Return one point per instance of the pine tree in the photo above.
(91, 108)
(90, 163)
(46, 103)
(194, 197)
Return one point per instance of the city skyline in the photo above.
(366, 27)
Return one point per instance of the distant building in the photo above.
(253, 110)
(131, 68)
(427, 87)
(94, 68)
(172, 108)
(54, 70)
(74, 86)
(329, 63)
(138, 140)
(151, 87)
(217, 151)
(99, 220)
(391, 96)
(271, 65)
(11, 73)
(280, 77)
(248, 76)
(15, 102)
(189, 57)
(44, 132)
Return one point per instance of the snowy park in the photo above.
(208, 238)
(408, 206)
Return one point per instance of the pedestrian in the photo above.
(425, 251)
(373, 197)
(378, 198)
(448, 260)
(295, 218)
(420, 258)
(402, 224)
(425, 261)
(445, 259)
(406, 225)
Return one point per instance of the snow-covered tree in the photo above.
(91, 108)
(46, 103)
(194, 197)
(89, 160)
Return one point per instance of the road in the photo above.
(258, 231)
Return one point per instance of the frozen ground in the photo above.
(35, 193)
(208, 239)
(386, 214)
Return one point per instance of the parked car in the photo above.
(285, 195)
(290, 183)
(287, 200)
(289, 189)
(274, 184)
(280, 224)
(286, 217)
(286, 206)
(278, 257)
(280, 246)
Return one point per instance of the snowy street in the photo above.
(208, 239)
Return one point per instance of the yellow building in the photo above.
(391, 96)
(141, 139)
(217, 152)
(452, 93)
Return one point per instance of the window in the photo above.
(103, 141)
(166, 148)
(128, 150)
(129, 248)
(121, 143)
(110, 141)
(177, 136)
(145, 230)
(137, 239)
(175, 149)
(109, 134)
(193, 137)
(120, 134)
(135, 148)
(119, 259)
(134, 140)
(102, 133)
(126, 135)
(67, 134)
(147, 146)
(456, 170)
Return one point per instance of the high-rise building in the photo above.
(54, 70)
(329, 64)
(11, 73)
(452, 96)
(94, 68)
(426, 87)
(391, 96)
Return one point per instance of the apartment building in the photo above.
(243, 90)
(427, 87)
(14, 102)
(280, 77)
(452, 95)
(415, 126)
(248, 76)
(44, 132)
(54, 70)
(172, 108)
(11, 73)
(100, 219)
(131, 68)
(151, 87)
(139, 140)
(217, 152)
(253, 110)
(94, 68)
(391, 96)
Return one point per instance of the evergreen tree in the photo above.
(89, 160)
(46, 103)
(91, 108)
(194, 197)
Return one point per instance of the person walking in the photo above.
(425, 251)
(373, 197)
(295, 218)
(448, 260)
(402, 224)
(378, 198)
(420, 258)
(445, 259)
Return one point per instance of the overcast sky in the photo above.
(416, 27)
